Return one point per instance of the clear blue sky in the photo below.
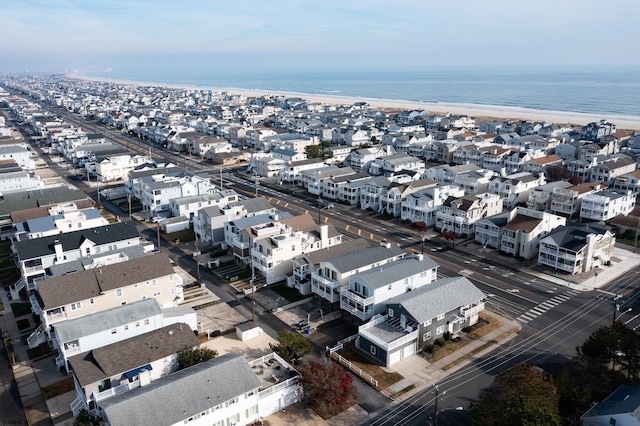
(53, 35)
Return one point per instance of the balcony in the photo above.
(327, 282)
(379, 331)
(116, 390)
(472, 310)
(362, 307)
(55, 317)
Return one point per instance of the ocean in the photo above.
(605, 91)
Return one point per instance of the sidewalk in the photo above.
(421, 373)
(29, 387)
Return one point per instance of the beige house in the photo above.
(74, 295)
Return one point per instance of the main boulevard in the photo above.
(555, 318)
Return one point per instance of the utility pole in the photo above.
(197, 260)
(158, 231)
(253, 300)
(435, 405)
(616, 308)
(129, 200)
(221, 176)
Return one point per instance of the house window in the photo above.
(126, 327)
(123, 303)
(146, 321)
(135, 286)
(390, 312)
(440, 317)
(373, 350)
(114, 331)
(137, 323)
(91, 301)
(75, 306)
(251, 411)
(118, 292)
(440, 330)
(427, 322)
(389, 287)
(426, 336)
(156, 294)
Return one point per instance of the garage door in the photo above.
(395, 357)
(409, 350)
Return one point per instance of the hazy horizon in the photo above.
(59, 35)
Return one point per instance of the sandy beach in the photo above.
(472, 110)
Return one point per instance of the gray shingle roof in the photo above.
(367, 256)
(30, 249)
(445, 295)
(60, 291)
(397, 270)
(67, 331)
(125, 355)
(180, 395)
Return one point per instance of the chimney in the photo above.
(420, 257)
(385, 243)
(324, 234)
(57, 246)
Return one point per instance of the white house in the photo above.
(460, 214)
(605, 205)
(368, 291)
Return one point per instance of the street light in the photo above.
(423, 237)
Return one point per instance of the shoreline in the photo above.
(472, 110)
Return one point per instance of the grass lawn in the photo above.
(57, 389)
(23, 324)
(291, 294)
(447, 349)
(384, 378)
(183, 236)
(628, 242)
(20, 309)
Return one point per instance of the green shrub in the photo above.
(447, 335)
(439, 341)
(467, 329)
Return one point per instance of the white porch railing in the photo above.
(77, 405)
(116, 390)
(333, 353)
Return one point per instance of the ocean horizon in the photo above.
(605, 91)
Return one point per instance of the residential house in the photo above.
(605, 205)
(521, 235)
(445, 174)
(268, 166)
(136, 361)
(360, 159)
(372, 191)
(567, 202)
(61, 220)
(66, 297)
(118, 167)
(315, 180)
(306, 263)
(514, 189)
(275, 244)
(157, 193)
(189, 206)
(113, 325)
(391, 199)
(333, 274)
(608, 170)
(596, 130)
(209, 224)
(422, 205)
(627, 182)
(368, 291)
(622, 408)
(459, 214)
(576, 248)
(335, 188)
(540, 197)
(392, 164)
(34, 256)
(415, 319)
(474, 182)
(290, 174)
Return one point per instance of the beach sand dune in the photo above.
(472, 110)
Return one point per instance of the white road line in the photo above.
(538, 310)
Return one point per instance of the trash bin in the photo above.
(308, 329)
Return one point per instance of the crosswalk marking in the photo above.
(543, 307)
